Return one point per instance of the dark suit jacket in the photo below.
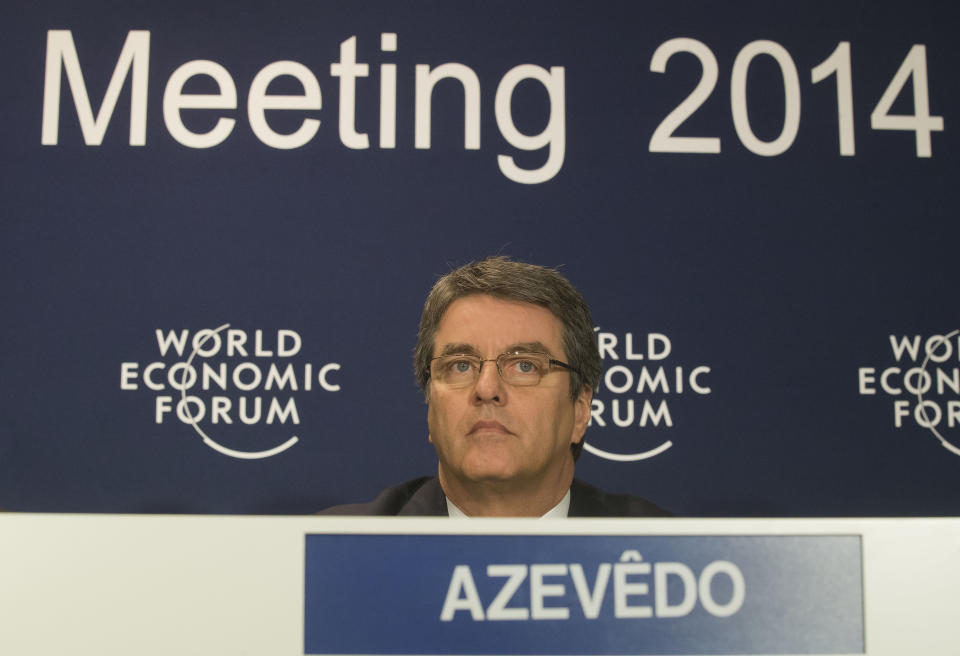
(424, 497)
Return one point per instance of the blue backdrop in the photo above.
(773, 298)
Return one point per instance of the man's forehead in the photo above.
(483, 322)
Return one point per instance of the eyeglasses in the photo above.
(519, 369)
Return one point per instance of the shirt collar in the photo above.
(559, 511)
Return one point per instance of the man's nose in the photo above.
(489, 385)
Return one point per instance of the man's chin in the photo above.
(490, 468)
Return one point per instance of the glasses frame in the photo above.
(551, 361)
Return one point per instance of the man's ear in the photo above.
(426, 394)
(581, 413)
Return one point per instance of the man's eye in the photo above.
(460, 366)
(525, 366)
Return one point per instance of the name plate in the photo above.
(583, 594)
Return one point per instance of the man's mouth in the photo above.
(488, 426)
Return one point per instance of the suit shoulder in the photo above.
(389, 502)
(589, 501)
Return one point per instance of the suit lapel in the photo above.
(428, 501)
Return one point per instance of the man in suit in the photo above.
(507, 360)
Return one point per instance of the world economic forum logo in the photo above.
(631, 413)
(924, 387)
(221, 381)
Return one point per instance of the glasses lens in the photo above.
(456, 370)
(523, 368)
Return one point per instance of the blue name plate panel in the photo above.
(522, 594)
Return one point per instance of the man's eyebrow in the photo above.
(528, 347)
(459, 349)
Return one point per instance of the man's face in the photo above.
(492, 431)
